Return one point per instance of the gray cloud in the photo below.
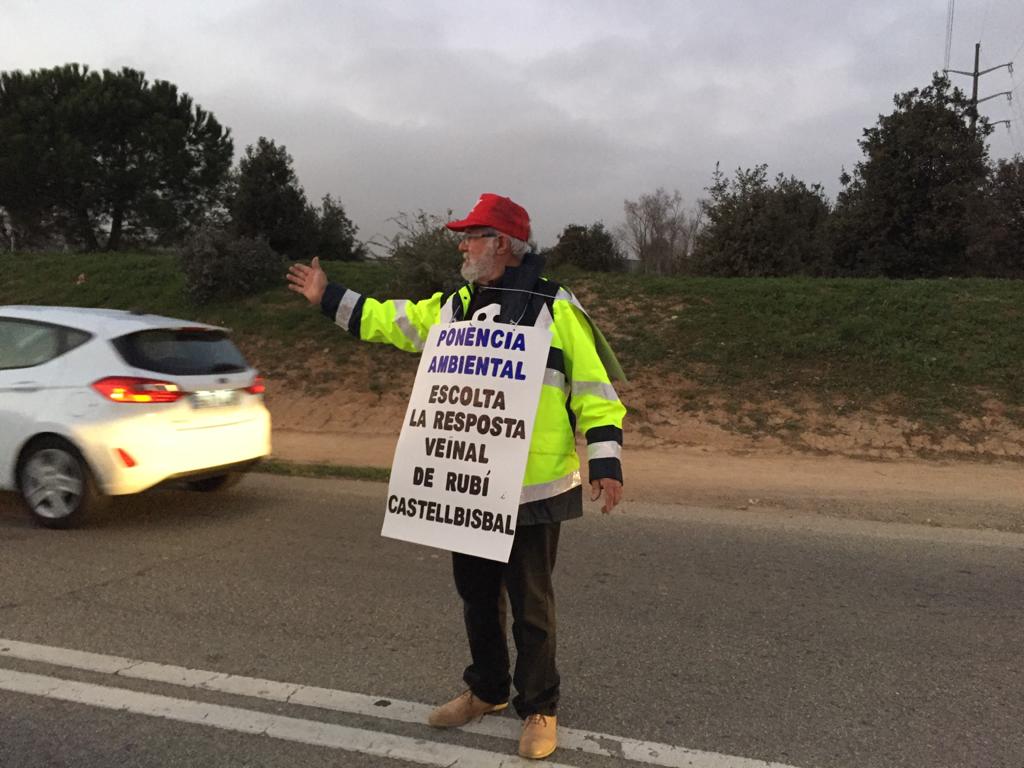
(567, 107)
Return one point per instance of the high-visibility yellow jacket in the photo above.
(577, 391)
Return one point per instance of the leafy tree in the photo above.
(337, 233)
(658, 232)
(997, 241)
(908, 207)
(107, 155)
(754, 228)
(592, 248)
(269, 202)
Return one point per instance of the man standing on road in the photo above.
(500, 269)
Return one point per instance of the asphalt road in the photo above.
(796, 639)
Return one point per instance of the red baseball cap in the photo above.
(498, 212)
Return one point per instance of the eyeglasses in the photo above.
(467, 236)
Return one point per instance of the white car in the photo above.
(99, 402)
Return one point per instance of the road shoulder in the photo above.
(947, 493)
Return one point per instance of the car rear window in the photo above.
(181, 352)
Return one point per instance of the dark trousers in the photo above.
(526, 580)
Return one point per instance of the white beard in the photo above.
(472, 272)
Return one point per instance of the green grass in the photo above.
(153, 283)
(925, 348)
(276, 329)
(933, 345)
(295, 469)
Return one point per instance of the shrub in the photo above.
(591, 248)
(218, 265)
(424, 256)
(758, 228)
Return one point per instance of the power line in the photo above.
(984, 20)
(1014, 128)
(1018, 32)
(949, 31)
(1019, 49)
(1016, 140)
(1016, 135)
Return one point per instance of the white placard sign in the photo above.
(461, 456)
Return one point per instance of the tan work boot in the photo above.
(540, 736)
(462, 709)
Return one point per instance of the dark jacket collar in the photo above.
(516, 284)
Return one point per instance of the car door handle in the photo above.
(26, 386)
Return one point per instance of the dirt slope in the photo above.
(863, 465)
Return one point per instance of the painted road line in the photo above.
(590, 742)
(311, 732)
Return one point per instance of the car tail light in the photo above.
(258, 387)
(129, 389)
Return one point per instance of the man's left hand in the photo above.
(612, 492)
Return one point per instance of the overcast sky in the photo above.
(567, 106)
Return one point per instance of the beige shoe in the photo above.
(462, 709)
(540, 736)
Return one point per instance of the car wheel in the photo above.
(56, 484)
(215, 482)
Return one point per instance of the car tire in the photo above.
(56, 484)
(215, 482)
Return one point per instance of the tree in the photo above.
(997, 242)
(756, 229)
(908, 207)
(658, 232)
(337, 234)
(269, 201)
(107, 155)
(592, 248)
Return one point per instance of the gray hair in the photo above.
(519, 247)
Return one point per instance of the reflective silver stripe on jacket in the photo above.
(547, 490)
(606, 449)
(544, 319)
(555, 378)
(405, 325)
(565, 295)
(348, 302)
(448, 310)
(596, 388)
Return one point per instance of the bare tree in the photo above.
(659, 232)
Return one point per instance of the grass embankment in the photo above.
(927, 350)
(928, 347)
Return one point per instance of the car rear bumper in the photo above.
(163, 451)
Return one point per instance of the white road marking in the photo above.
(318, 734)
(590, 742)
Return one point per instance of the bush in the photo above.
(758, 228)
(591, 248)
(424, 256)
(218, 265)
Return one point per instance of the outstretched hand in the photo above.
(309, 281)
(612, 489)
